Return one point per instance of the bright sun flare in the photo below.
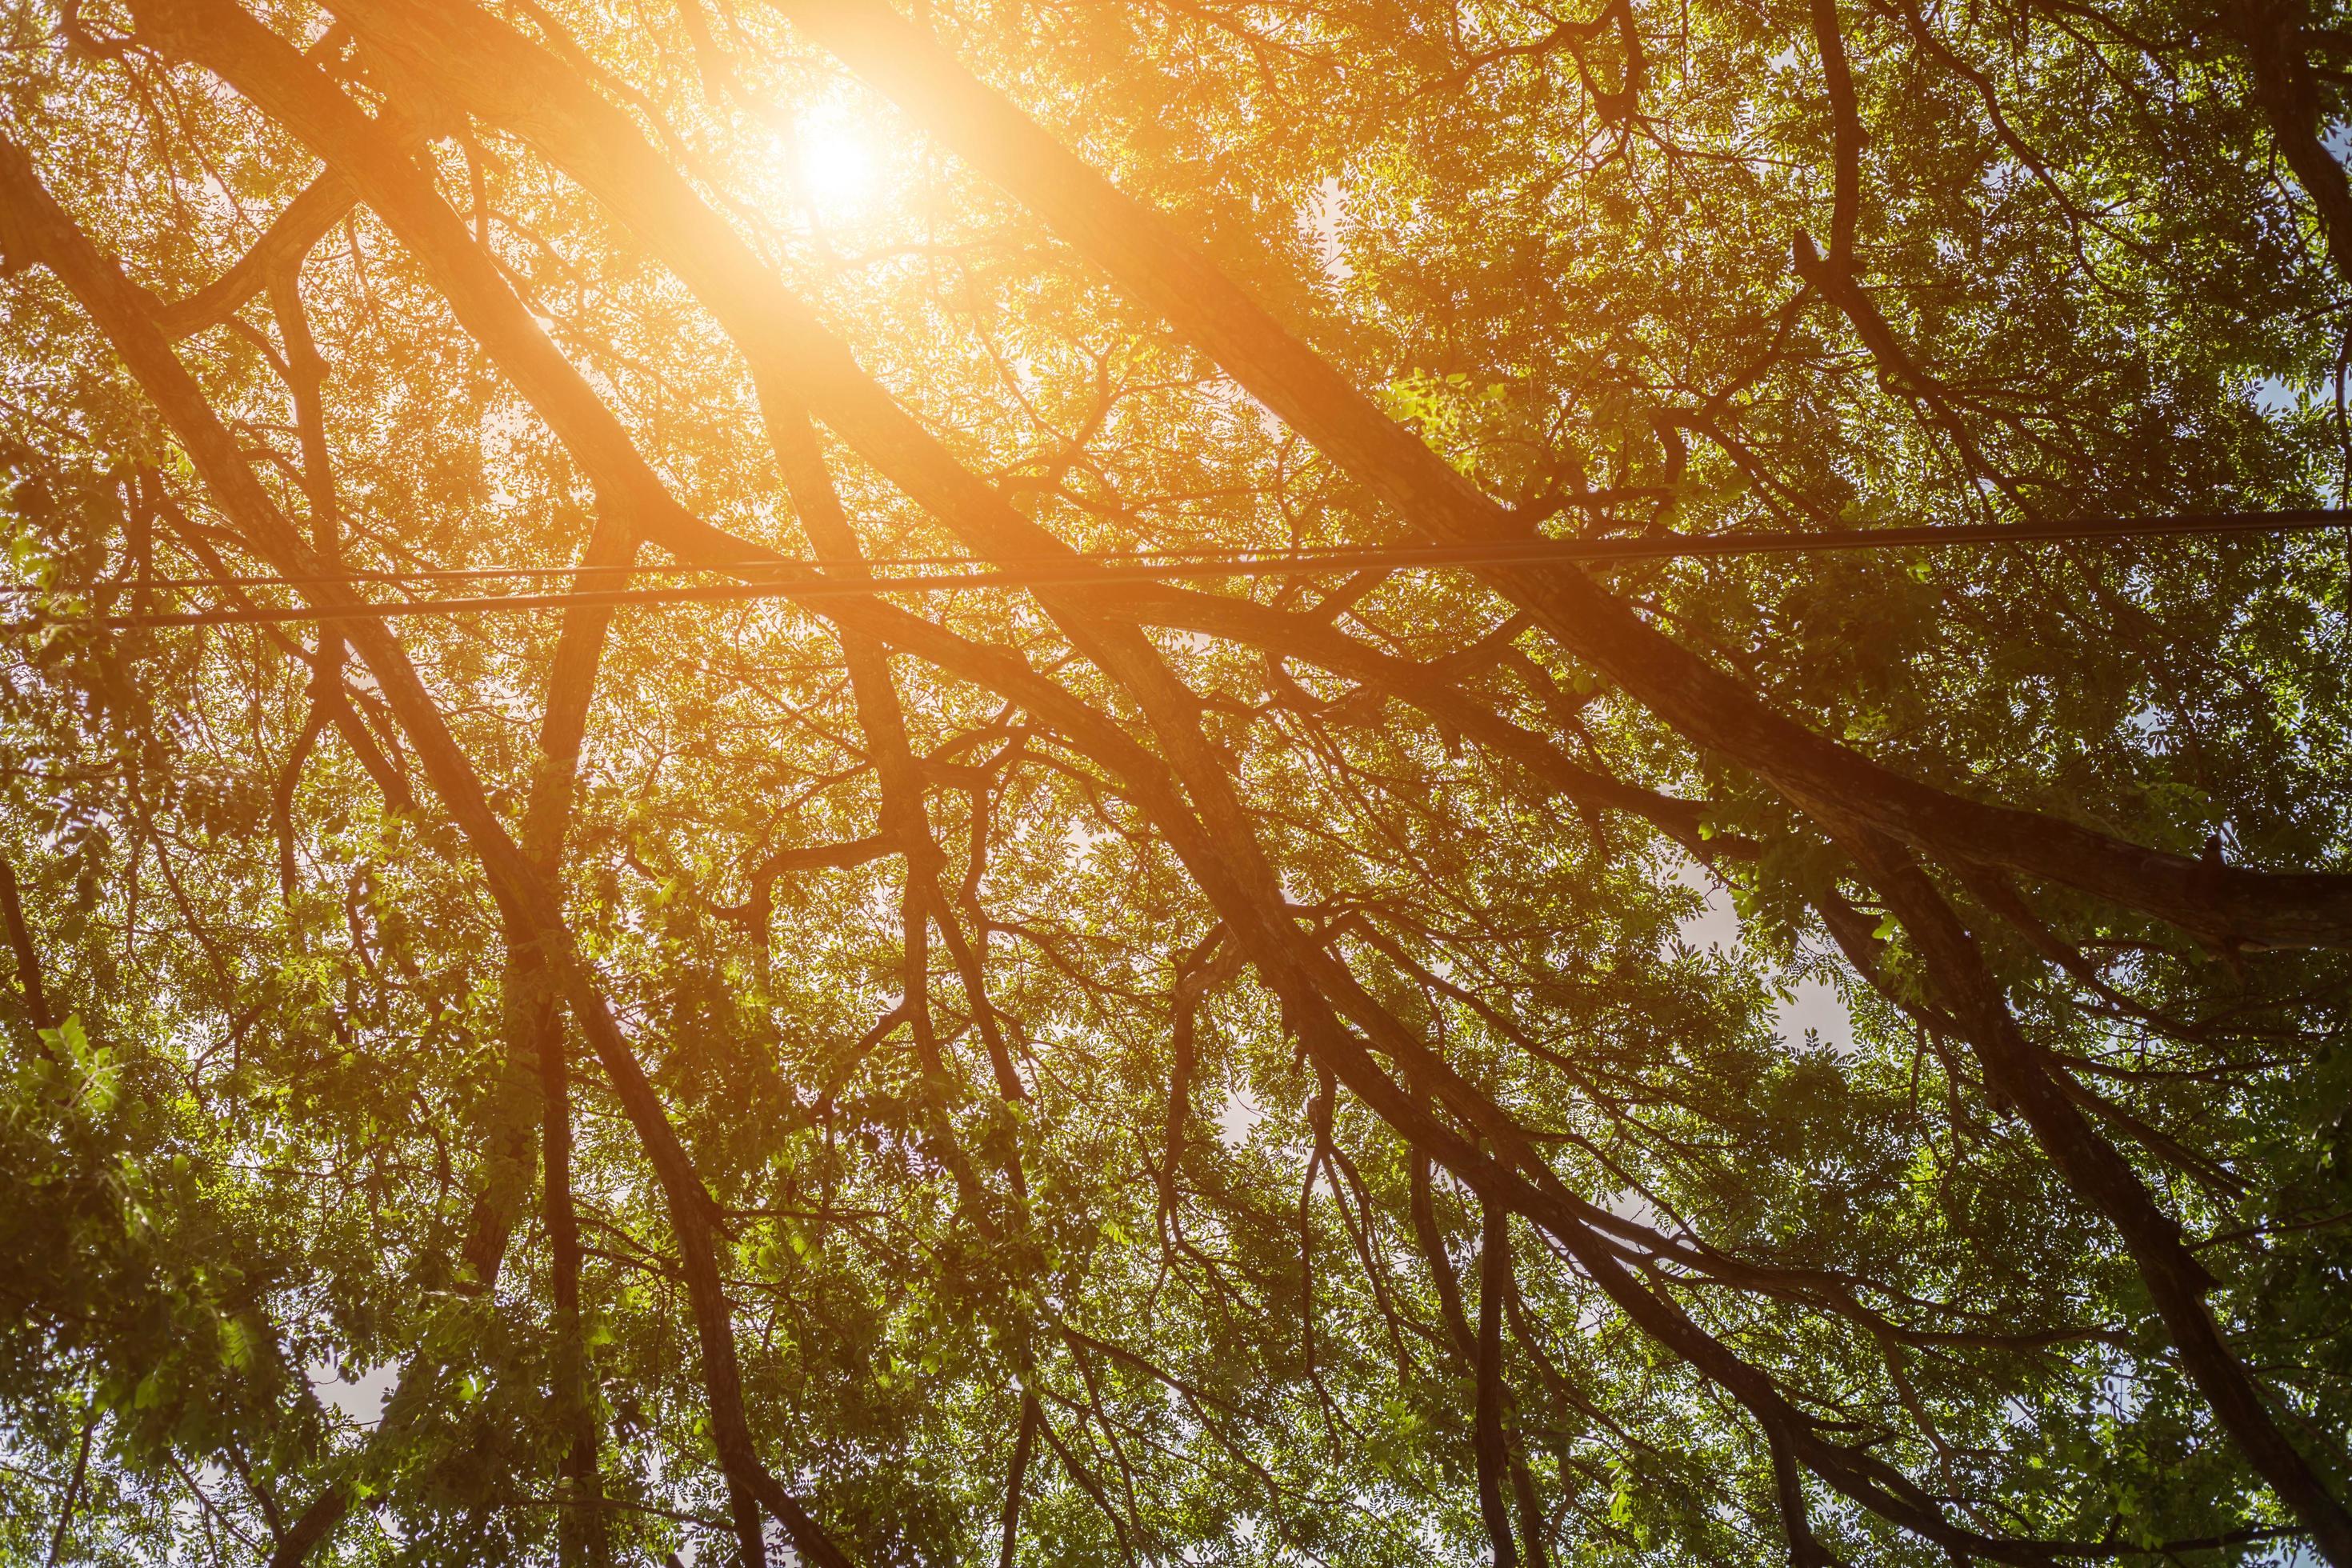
(834, 162)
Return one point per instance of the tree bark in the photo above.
(1022, 1442)
(28, 957)
(2286, 90)
(1487, 1438)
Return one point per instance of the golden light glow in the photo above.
(835, 165)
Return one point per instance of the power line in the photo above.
(786, 577)
(1277, 559)
(396, 574)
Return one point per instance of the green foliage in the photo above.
(288, 1089)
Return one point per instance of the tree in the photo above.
(1105, 1066)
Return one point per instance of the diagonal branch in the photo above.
(1174, 277)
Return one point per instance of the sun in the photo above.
(834, 164)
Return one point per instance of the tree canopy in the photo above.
(1430, 1054)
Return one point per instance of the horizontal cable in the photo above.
(395, 574)
(784, 577)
